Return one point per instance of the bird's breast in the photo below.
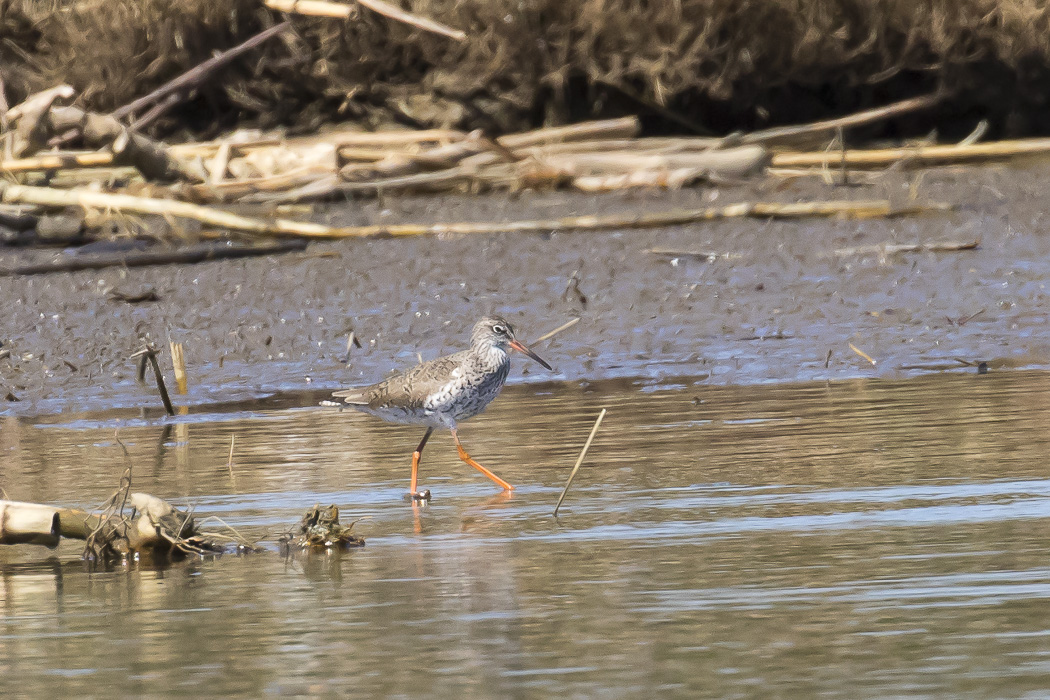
(468, 392)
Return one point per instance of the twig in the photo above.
(563, 327)
(863, 354)
(56, 161)
(150, 353)
(895, 248)
(198, 74)
(579, 460)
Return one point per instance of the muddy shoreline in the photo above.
(769, 308)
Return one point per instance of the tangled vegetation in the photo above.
(700, 65)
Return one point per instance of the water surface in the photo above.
(866, 538)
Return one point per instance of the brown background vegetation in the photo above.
(686, 65)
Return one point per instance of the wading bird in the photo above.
(442, 392)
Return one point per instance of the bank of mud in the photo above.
(769, 305)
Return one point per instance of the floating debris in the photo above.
(320, 528)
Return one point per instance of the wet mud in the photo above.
(770, 306)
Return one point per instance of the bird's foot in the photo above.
(418, 496)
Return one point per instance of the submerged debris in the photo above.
(320, 528)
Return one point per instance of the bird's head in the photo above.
(495, 331)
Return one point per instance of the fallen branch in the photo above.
(195, 76)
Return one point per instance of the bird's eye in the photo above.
(499, 329)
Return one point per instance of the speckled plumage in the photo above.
(441, 392)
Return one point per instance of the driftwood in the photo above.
(146, 155)
(28, 523)
(156, 525)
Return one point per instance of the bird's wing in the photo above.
(408, 389)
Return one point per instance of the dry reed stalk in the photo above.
(863, 354)
(229, 460)
(788, 133)
(334, 10)
(145, 205)
(349, 138)
(896, 248)
(563, 327)
(579, 460)
(178, 363)
(57, 161)
(481, 151)
(636, 221)
(918, 155)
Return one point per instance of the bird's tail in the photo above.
(350, 397)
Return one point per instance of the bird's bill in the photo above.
(525, 351)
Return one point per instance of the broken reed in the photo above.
(579, 460)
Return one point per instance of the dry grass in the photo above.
(527, 61)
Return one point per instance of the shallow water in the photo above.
(866, 538)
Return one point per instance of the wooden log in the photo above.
(29, 523)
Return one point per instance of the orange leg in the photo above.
(466, 458)
(415, 459)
